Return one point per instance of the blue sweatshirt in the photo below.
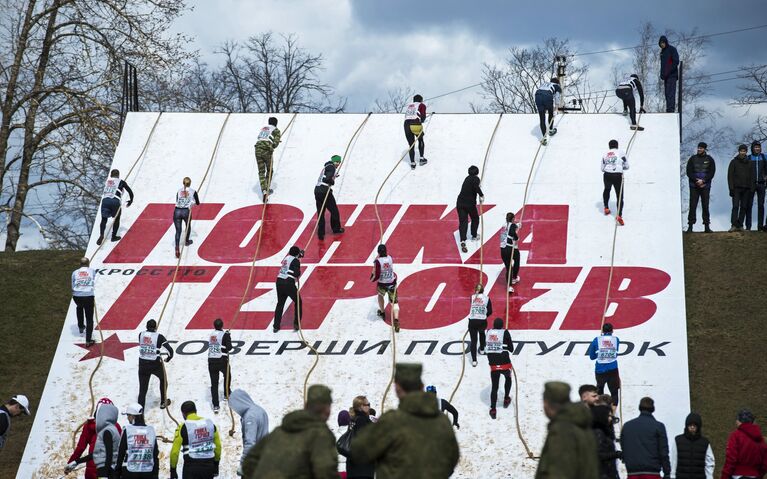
(604, 349)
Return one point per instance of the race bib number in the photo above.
(265, 133)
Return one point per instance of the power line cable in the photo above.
(709, 35)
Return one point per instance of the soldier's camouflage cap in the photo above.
(318, 394)
(408, 373)
(556, 392)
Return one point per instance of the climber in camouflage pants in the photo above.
(268, 139)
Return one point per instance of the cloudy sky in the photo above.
(435, 46)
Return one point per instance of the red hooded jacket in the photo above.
(88, 439)
(746, 452)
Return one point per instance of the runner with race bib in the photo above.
(198, 439)
(137, 454)
(604, 349)
(111, 204)
(481, 307)
(384, 275)
(498, 346)
(415, 115)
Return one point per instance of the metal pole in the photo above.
(681, 90)
(135, 88)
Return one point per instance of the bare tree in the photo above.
(59, 100)
(395, 101)
(511, 87)
(264, 75)
(754, 92)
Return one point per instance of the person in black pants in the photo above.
(545, 98)
(499, 346)
(466, 206)
(219, 345)
(111, 204)
(83, 294)
(740, 180)
(509, 241)
(669, 72)
(614, 163)
(290, 270)
(150, 362)
(481, 308)
(415, 115)
(625, 92)
(759, 164)
(324, 188)
(700, 171)
(185, 197)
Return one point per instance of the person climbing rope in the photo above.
(444, 405)
(104, 453)
(481, 308)
(324, 199)
(219, 345)
(87, 440)
(466, 206)
(415, 115)
(546, 97)
(185, 197)
(150, 362)
(383, 274)
(509, 239)
(627, 92)
(498, 347)
(111, 204)
(268, 140)
(614, 163)
(137, 454)
(604, 349)
(290, 271)
(200, 442)
(84, 296)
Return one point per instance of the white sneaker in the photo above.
(511, 289)
(515, 280)
(474, 364)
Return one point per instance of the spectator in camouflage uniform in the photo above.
(415, 440)
(268, 139)
(570, 451)
(301, 447)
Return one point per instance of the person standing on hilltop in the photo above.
(701, 169)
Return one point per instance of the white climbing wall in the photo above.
(566, 251)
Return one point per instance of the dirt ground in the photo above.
(726, 286)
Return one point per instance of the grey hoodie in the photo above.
(106, 420)
(253, 420)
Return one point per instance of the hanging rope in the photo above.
(509, 278)
(227, 378)
(380, 241)
(178, 261)
(481, 250)
(311, 236)
(612, 261)
(95, 310)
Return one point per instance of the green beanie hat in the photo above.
(335, 159)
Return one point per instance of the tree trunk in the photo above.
(28, 152)
(8, 109)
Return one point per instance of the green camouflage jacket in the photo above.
(570, 451)
(301, 447)
(416, 440)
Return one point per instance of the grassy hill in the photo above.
(725, 275)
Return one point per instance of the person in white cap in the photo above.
(16, 406)
(137, 454)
